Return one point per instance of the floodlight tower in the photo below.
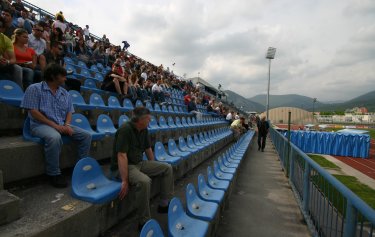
(270, 55)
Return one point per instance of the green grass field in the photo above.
(323, 162)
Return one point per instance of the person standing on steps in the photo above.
(263, 127)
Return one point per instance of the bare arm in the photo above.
(122, 160)
(149, 154)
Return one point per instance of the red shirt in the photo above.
(26, 56)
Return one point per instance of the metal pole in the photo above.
(268, 89)
(313, 111)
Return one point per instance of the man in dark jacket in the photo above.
(263, 127)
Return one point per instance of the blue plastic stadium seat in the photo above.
(197, 207)
(81, 64)
(157, 108)
(184, 123)
(164, 109)
(68, 60)
(89, 183)
(216, 183)
(207, 193)
(149, 106)
(178, 123)
(97, 102)
(153, 125)
(227, 164)
(161, 155)
(128, 105)
(184, 147)
(180, 224)
(94, 68)
(81, 121)
(163, 124)
(78, 101)
(26, 133)
(221, 175)
(10, 93)
(99, 77)
(224, 168)
(174, 151)
(122, 119)
(114, 104)
(191, 143)
(171, 123)
(138, 103)
(151, 229)
(105, 125)
(197, 141)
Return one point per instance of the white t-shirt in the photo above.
(236, 116)
(59, 24)
(86, 32)
(144, 75)
(229, 116)
(156, 88)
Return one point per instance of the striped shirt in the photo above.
(54, 106)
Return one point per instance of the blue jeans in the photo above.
(27, 77)
(53, 144)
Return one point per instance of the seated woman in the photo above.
(25, 56)
(114, 81)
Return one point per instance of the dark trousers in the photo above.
(262, 141)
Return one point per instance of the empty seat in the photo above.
(122, 119)
(216, 183)
(178, 123)
(149, 106)
(224, 168)
(81, 64)
(81, 121)
(89, 183)
(161, 155)
(180, 224)
(78, 101)
(171, 123)
(138, 103)
(151, 229)
(191, 143)
(220, 174)
(105, 125)
(197, 207)
(97, 102)
(99, 77)
(207, 193)
(153, 125)
(114, 104)
(174, 151)
(157, 108)
(184, 147)
(10, 93)
(128, 105)
(226, 163)
(163, 124)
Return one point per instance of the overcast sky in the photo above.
(325, 49)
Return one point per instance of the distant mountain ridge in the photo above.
(258, 102)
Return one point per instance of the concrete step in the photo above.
(9, 207)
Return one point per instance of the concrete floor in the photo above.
(261, 203)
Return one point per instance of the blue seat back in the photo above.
(85, 73)
(82, 64)
(183, 121)
(149, 106)
(159, 150)
(99, 77)
(128, 104)
(10, 92)
(100, 66)
(122, 119)
(157, 107)
(138, 103)
(76, 97)
(202, 185)
(81, 121)
(96, 99)
(171, 122)
(27, 132)
(190, 141)
(105, 124)
(151, 229)
(70, 67)
(90, 83)
(94, 68)
(113, 102)
(164, 109)
(181, 143)
(180, 110)
(90, 184)
(172, 147)
(68, 60)
(162, 122)
(175, 213)
(153, 124)
(178, 122)
(170, 109)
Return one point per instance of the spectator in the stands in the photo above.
(25, 56)
(8, 68)
(86, 33)
(7, 14)
(50, 121)
(229, 117)
(157, 92)
(59, 22)
(237, 116)
(187, 98)
(39, 45)
(5, 4)
(57, 35)
(91, 43)
(82, 51)
(70, 41)
(115, 82)
(24, 22)
(19, 7)
(55, 54)
(192, 108)
(99, 55)
(237, 127)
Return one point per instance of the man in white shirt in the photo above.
(86, 33)
(39, 45)
(229, 116)
(157, 92)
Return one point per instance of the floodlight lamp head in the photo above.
(271, 53)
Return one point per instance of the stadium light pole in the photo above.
(314, 101)
(270, 55)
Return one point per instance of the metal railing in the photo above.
(329, 207)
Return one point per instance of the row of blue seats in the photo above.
(87, 187)
(105, 125)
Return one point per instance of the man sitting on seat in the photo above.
(50, 111)
(127, 164)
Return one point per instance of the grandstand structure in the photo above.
(205, 149)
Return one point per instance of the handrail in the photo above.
(363, 207)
